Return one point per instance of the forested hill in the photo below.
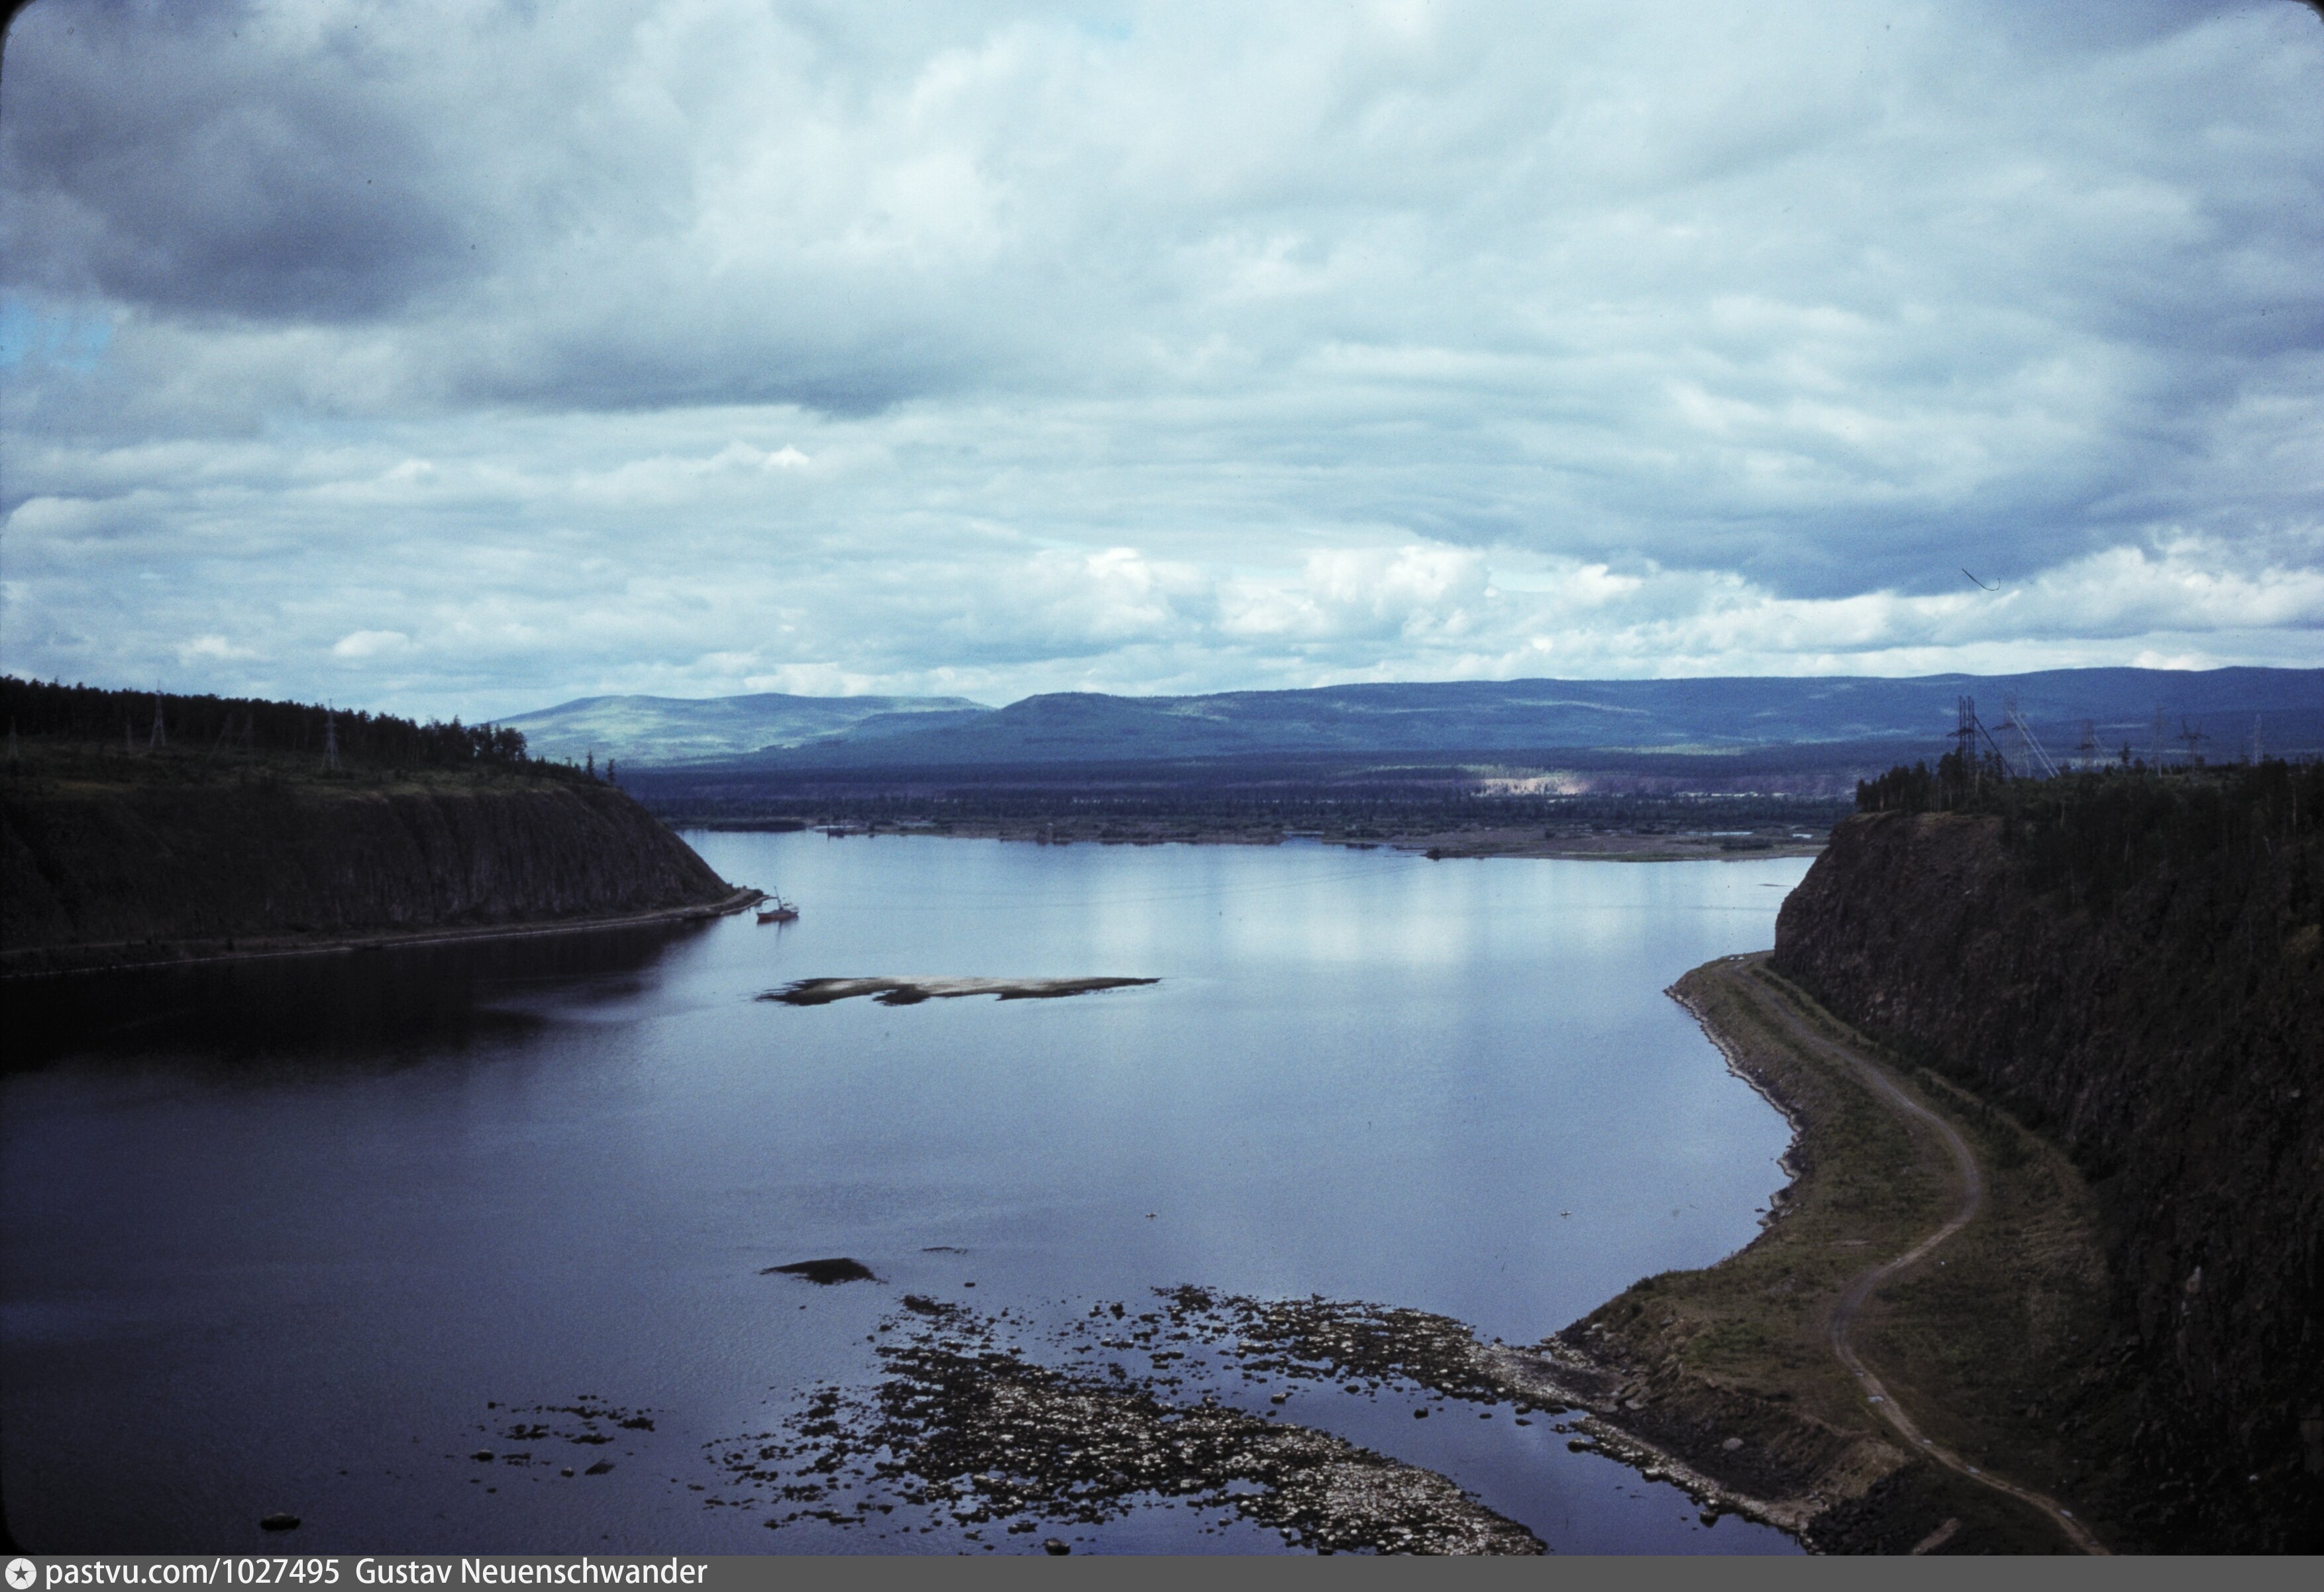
(240, 825)
(669, 732)
(2210, 714)
(56, 715)
(2134, 962)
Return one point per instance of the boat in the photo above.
(775, 909)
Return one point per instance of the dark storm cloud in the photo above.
(156, 156)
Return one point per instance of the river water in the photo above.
(297, 1235)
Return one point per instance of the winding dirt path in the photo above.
(1884, 1087)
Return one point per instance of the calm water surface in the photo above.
(283, 1236)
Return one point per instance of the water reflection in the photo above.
(372, 1002)
(298, 1234)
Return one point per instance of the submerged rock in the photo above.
(973, 1434)
(824, 1273)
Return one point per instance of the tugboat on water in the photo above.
(775, 909)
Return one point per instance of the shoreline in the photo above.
(136, 955)
(1745, 1384)
(1436, 845)
(1748, 1427)
(1737, 1383)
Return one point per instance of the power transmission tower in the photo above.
(2086, 755)
(2156, 752)
(2193, 737)
(330, 740)
(159, 737)
(1970, 731)
(2037, 759)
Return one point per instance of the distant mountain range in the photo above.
(2114, 706)
(676, 732)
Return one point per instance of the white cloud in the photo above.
(361, 644)
(983, 350)
(212, 649)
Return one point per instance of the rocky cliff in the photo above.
(2157, 1010)
(175, 856)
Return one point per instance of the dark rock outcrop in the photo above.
(2172, 1043)
(86, 864)
(839, 1269)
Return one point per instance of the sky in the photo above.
(457, 357)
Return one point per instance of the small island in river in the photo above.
(893, 992)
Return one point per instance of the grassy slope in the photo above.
(1980, 1348)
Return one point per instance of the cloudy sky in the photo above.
(465, 356)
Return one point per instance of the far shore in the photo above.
(44, 961)
(1515, 840)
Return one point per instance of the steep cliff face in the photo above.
(2173, 1042)
(85, 864)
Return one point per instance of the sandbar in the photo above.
(912, 991)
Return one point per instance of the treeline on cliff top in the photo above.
(2092, 832)
(52, 711)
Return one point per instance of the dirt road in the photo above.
(1886, 1087)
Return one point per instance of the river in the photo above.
(300, 1235)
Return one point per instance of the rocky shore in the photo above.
(965, 1433)
(1722, 1382)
